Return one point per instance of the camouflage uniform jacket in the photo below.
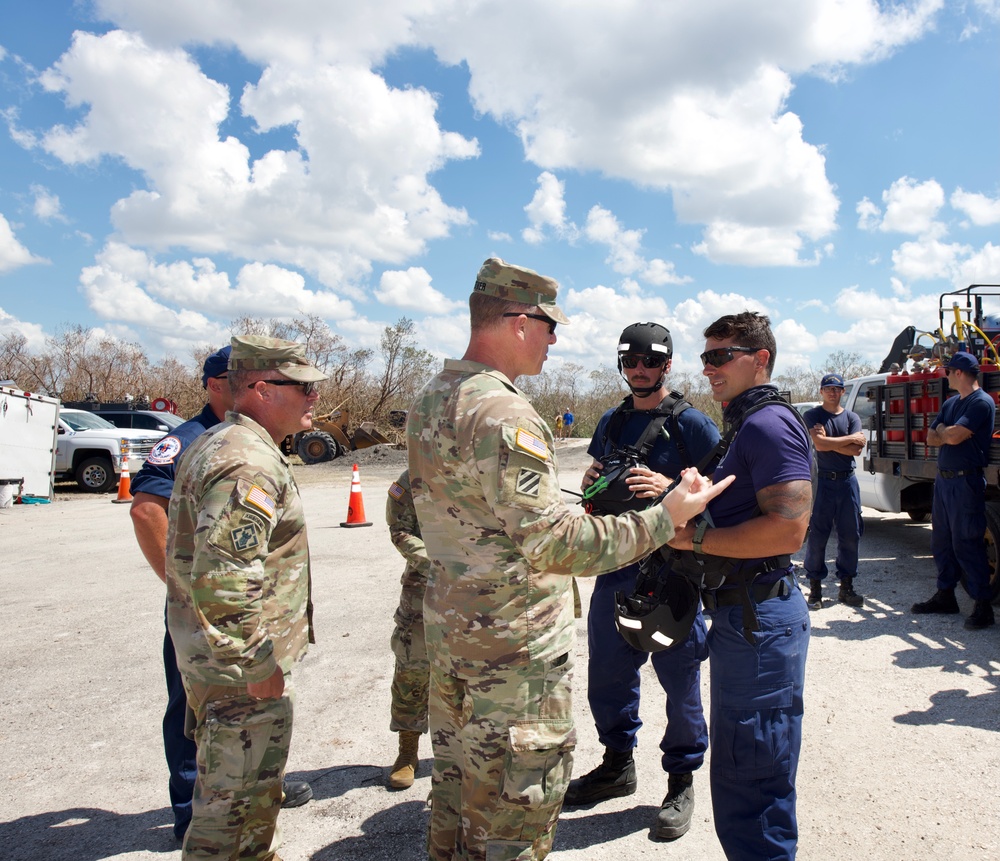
(238, 587)
(501, 540)
(404, 531)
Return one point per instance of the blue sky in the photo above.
(168, 168)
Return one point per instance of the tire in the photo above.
(992, 538)
(918, 516)
(317, 447)
(96, 475)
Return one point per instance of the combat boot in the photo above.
(674, 818)
(815, 599)
(847, 594)
(943, 601)
(404, 769)
(295, 793)
(613, 778)
(982, 616)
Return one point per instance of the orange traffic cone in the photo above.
(124, 484)
(356, 505)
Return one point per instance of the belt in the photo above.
(760, 592)
(835, 475)
(955, 473)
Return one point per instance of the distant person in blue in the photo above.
(964, 430)
(568, 422)
(676, 436)
(151, 489)
(837, 437)
(759, 635)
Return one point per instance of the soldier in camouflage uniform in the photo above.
(238, 597)
(411, 676)
(498, 610)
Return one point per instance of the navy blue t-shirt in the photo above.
(843, 424)
(158, 472)
(699, 432)
(771, 447)
(976, 412)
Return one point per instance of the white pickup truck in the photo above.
(90, 449)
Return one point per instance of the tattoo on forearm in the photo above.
(790, 500)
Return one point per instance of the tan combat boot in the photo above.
(405, 767)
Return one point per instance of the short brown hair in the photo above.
(748, 329)
(485, 311)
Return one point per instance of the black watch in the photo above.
(699, 536)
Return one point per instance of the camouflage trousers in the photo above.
(242, 749)
(412, 674)
(503, 752)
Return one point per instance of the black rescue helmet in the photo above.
(646, 338)
(659, 614)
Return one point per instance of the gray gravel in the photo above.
(900, 759)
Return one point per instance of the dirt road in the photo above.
(900, 761)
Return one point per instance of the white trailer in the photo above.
(28, 427)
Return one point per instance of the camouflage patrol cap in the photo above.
(517, 284)
(288, 358)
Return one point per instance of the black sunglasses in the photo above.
(307, 388)
(542, 317)
(723, 355)
(648, 361)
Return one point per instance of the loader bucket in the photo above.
(368, 435)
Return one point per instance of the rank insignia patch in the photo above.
(245, 537)
(528, 482)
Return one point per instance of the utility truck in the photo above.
(898, 405)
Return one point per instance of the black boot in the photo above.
(943, 601)
(815, 599)
(613, 778)
(847, 594)
(674, 818)
(982, 616)
(295, 793)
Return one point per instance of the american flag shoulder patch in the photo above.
(396, 492)
(258, 498)
(532, 444)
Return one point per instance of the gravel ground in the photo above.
(900, 758)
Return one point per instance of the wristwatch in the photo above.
(699, 536)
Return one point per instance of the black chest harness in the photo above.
(709, 572)
(610, 494)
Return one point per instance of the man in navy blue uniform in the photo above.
(837, 437)
(151, 489)
(963, 429)
(677, 436)
(760, 622)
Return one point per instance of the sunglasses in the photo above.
(307, 388)
(542, 317)
(652, 362)
(723, 355)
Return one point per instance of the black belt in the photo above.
(835, 475)
(955, 473)
(760, 592)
